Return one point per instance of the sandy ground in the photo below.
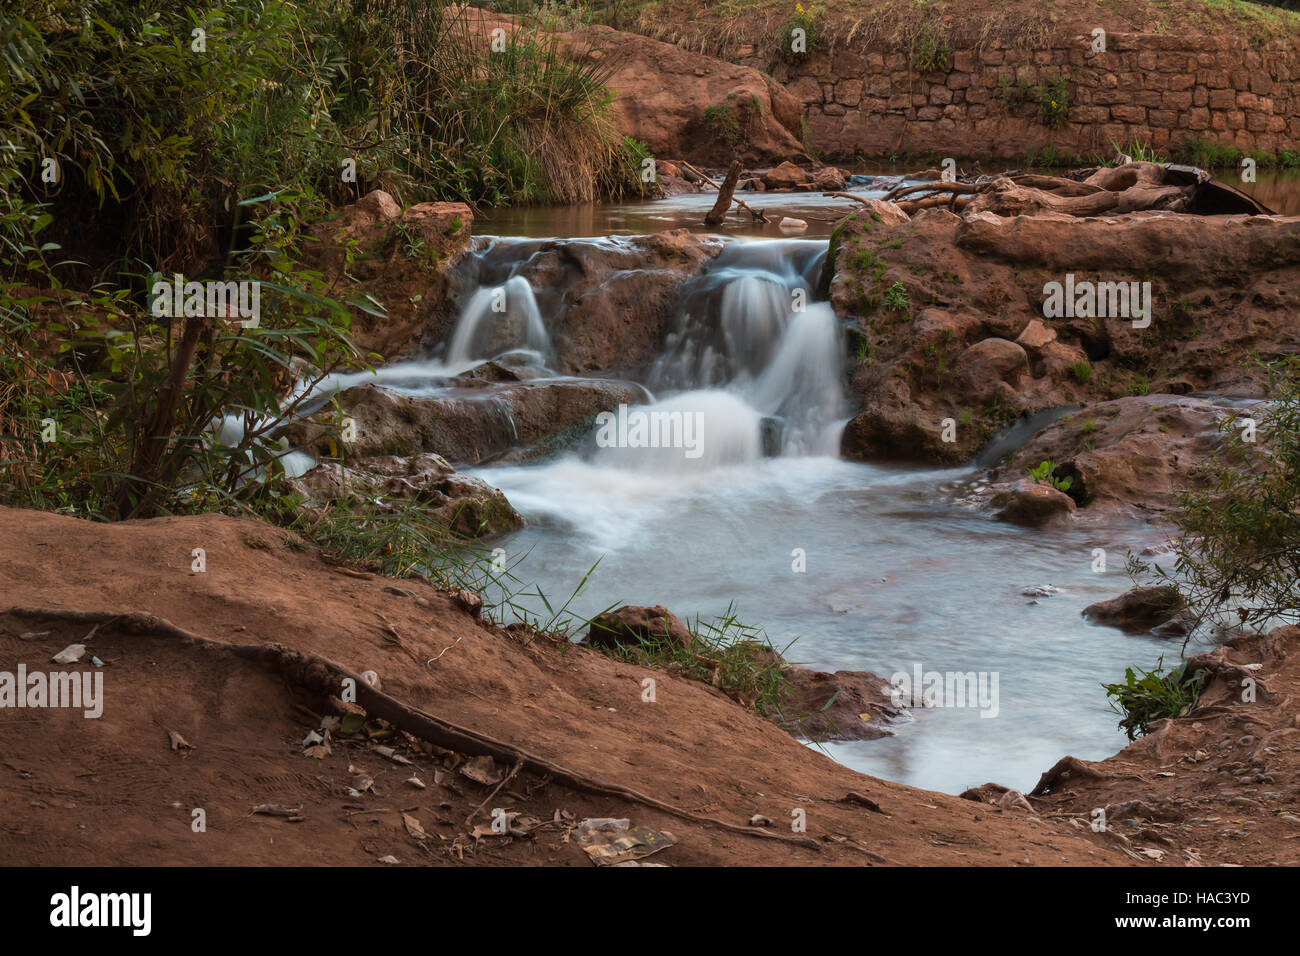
(120, 790)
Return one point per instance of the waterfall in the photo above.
(496, 320)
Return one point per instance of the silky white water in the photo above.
(863, 567)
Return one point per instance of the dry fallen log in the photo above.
(323, 676)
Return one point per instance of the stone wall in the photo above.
(1157, 88)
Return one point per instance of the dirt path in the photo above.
(113, 791)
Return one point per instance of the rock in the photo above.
(1033, 505)
(992, 369)
(1137, 609)
(462, 504)
(828, 179)
(786, 176)
(991, 272)
(525, 419)
(788, 224)
(609, 302)
(1014, 800)
(663, 91)
(1036, 335)
(1136, 452)
(844, 705)
(633, 624)
(400, 258)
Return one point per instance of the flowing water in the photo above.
(743, 502)
(896, 571)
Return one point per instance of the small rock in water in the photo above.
(1041, 590)
(792, 225)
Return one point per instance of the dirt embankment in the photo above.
(121, 790)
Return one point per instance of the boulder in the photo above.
(786, 176)
(844, 705)
(992, 369)
(828, 179)
(633, 624)
(1033, 505)
(1138, 609)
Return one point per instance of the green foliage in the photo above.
(722, 126)
(895, 299)
(799, 36)
(735, 657)
(1045, 474)
(930, 52)
(1146, 696)
(1082, 371)
(1237, 557)
(1051, 98)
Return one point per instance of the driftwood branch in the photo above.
(755, 214)
(321, 675)
(720, 208)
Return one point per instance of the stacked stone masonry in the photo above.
(1155, 88)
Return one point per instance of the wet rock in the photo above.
(464, 505)
(1033, 505)
(475, 425)
(1138, 609)
(828, 179)
(633, 624)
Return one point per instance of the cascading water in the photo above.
(870, 568)
(498, 320)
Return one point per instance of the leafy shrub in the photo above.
(895, 299)
(1237, 556)
(1146, 696)
(1082, 371)
(799, 36)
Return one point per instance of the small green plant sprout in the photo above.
(1147, 696)
(895, 299)
(1045, 474)
(1082, 371)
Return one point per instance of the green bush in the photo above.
(1147, 696)
(801, 30)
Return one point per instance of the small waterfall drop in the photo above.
(496, 320)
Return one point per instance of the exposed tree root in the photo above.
(318, 674)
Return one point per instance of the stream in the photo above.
(845, 566)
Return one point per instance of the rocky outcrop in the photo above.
(470, 425)
(662, 93)
(608, 302)
(400, 259)
(1135, 454)
(466, 506)
(958, 342)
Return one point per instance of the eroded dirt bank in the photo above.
(114, 791)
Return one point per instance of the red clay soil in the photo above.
(119, 790)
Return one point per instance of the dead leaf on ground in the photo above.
(609, 841)
(482, 770)
(178, 742)
(413, 827)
